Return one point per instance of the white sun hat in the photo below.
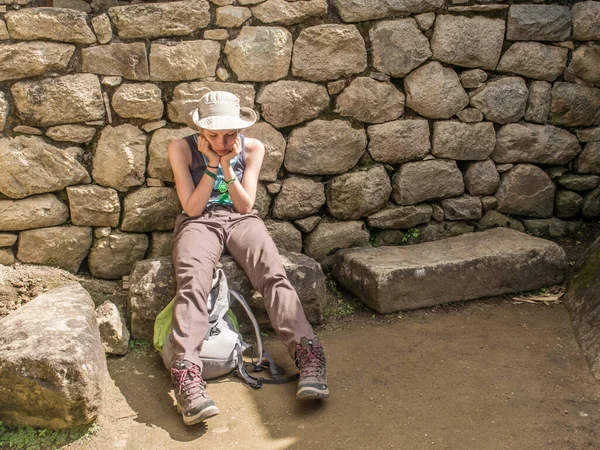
(220, 110)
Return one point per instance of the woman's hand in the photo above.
(204, 148)
(235, 150)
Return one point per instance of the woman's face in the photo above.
(220, 141)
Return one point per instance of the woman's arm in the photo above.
(243, 195)
(192, 199)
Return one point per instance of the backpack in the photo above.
(223, 347)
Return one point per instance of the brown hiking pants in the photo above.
(197, 246)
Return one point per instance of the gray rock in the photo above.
(53, 101)
(582, 298)
(4, 108)
(113, 256)
(187, 95)
(358, 194)
(401, 216)
(150, 209)
(285, 235)
(538, 23)
(80, 134)
(307, 224)
(588, 134)
(398, 46)
(120, 158)
(63, 247)
(567, 204)
(30, 166)
(538, 104)
(78, 5)
(551, 228)
(489, 202)
(443, 230)
(579, 182)
(526, 190)
(232, 16)
(335, 87)
(113, 332)
(586, 20)
(591, 204)
(425, 20)
(138, 101)
(37, 211)
(152, 286)
(158, 165)
(437, 212)
(462, 208)
(481, 177)
(299, 197)
(503, 100)
(94, 206)
(124, 60)
(285, 103)
(329, 237)
(53, 338)
(161, 244)
(362, 10)
(420, 181)
(329, 51)
(574, 105)
(455, 269)
(102, 28)
(543, 144)
(534, 60)
(345, 145)
(584, 65)
(370, 101)
(467, 41)
(263, 201)
(55, 24)
(399, 141)
(179, 18)
(472, 79)
(274, 143)
(462, 141)
(7, 258)
(494, 219)
(289, 13)
(434, 91)
(260, 53)
(470, 115)
(187, 60)
(29, 59)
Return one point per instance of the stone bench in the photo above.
(466, 267)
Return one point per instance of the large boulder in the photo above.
(186, 60)
(362, 10)
(468, 41)
(399, 141)
(299, 197)
(534, 60)
(538, 23)
(52, 362)
(94, 206)
(435, 91)
(503, 100)
(124, 60)
(526, 190)
(401, 216)
(29, 59)
(420, 181)
(574, 105)
(344, 143)
(113, 256)
(150, 209)
(474, 265)
(37, 211)
(154, 20)
(289, 13)
(538, 103)
(582, 301)
(371, 101)
(329, 51)
(586, 21)
(463, 141)
(138, 101)
(31, 166)
(329, 237)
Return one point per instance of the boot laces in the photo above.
(311, 361)
(190, 381)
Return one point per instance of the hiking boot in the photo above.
(310, 360)
(193, 402)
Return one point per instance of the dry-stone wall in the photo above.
(378, 117)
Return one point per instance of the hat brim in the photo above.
(247, 118)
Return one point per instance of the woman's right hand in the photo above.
(204, 148)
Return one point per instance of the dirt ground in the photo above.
(486, 374)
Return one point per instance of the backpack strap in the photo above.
(219, 299)
(257, 382)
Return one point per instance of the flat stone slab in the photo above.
(466, 267)
(582, 301)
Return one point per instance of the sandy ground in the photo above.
(489, 374)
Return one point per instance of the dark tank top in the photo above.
(219, 194)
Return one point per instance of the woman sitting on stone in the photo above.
(216, 175)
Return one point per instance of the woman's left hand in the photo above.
(236, 149)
